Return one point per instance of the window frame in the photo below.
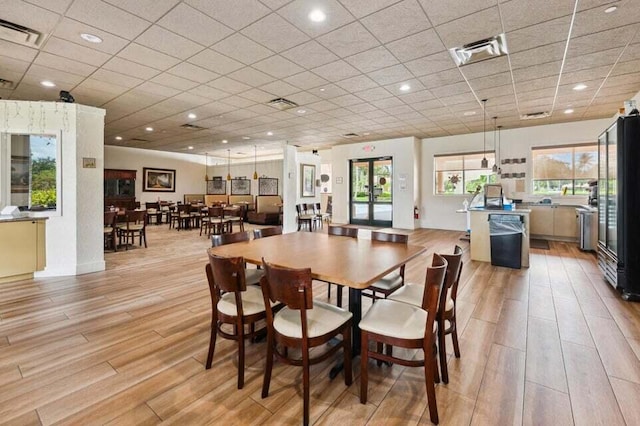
(464, 170)
(573, 178)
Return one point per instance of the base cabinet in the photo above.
(22, 248)
(554, 221)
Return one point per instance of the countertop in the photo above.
(498, 211)
(574, 206)
(7, 218)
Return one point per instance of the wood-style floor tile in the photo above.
(628, 395)
(544, 406)
(545, 365)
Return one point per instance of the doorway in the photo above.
(371, 192)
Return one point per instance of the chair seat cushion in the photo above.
(322, 319)
(306, 217)
(388, 283)
(135, 227)
(412, 294)
(395, 319)
(108, 230)
(252, 302)
(253, 276)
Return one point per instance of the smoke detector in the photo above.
(282, 104)
(16, 33)
(535, 115)
(481, 50)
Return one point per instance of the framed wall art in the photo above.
(267, 186)
(308, 180)
(240, 187)
(158, 180)
(216, 186)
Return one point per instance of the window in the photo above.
(34, 174)
(564, 170)
(461, 173)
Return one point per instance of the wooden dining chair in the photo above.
(135, 225)
(110, 230)
(234, 303)
(392, 281)
(341, 231)
(153, 212)
(252, 276)
(407, 326)
(267, 232)
(237, 218)
(446, 319)
(304, 219)
(303, 323)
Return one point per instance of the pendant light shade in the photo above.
(206, 166)
(255, 162)
(228, 164)
(494, 169)
(484, 164)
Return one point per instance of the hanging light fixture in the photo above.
(499, 149)
(484, 164)
(206, 166)
(255, 162)
(494, 169)
(228, 164)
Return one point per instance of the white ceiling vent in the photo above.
(480, 50)
(535, 115)
(282, 104)
(18, 34)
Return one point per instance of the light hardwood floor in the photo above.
(551, 345)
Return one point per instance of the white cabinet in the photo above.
(554, 221)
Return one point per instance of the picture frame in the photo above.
(267, 186)
(20, 174)
(217, 186)
(240, 186)
(158, 180)
(308, 180)
(88, 163)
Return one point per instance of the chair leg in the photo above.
(454, 336)
(364, 361)
(240, 335)
(305, 384)
(379, 349)
(442, 351)
(329, 291)
(212, 340)
(346, 348)
(269, 365)
(429, 372)
(339, 291)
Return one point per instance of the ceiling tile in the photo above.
(192, 72)
(538, 55)
(594, 20)
(70, 30)
(310, 55)
(538, 35)
(194, 25)
(149, 57)
(415, 86)
(452, 89)
(357, 83)
(116, 78)
(471, 28)
(59, 63)
(495, 80)
(173, 81)
(536, 72)
(242, 49)
(361, 8)
(30, 16)
(94, 84)
(458, 99)
(36, 73)
(165, 41)
(602, 40)
(241, 14)
(304, 98)
(57, 46)
(336, 71)
(109, 18)
(57, 6)
(275, 33)
(441, 78)
(626, 67)
(229, 85)
(592, 60)
(372, 60)
(306, 80)
(407, 12)
(251, 76)
(416, 96)
(297, 12)
(487, 67)
(346, 100)
(441, 11)
(348, 40)
(279, 88)
(416, 46)
(16, 51)
(238, 101)
(278, 67)
(431, 64)
(157, 89)
(130, 68)
(391, 75)
(540, 83)
(151, 10)
(375, 94)
(523, 13)
(215, 62)
(257, 95)
(209, 92)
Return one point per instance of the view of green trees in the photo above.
(361, 182)
(564, 171)
(43, 182)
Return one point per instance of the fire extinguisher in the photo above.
(416, 212)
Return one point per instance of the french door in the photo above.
(371, 191)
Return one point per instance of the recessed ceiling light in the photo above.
(118, 138)
(149, 129)
(366, 134)
(317, 15)
(246, 138)
(269, 133)
(580, 86)
(189, 147)
(405, 87)
(301, 111)
(47, 83)
(224, 141)
(90, 38)
(568, 111)
(611, 9)
(322, 89)
(468, 113)
(192, 115)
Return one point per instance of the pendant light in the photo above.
(499, 149)
(255, 162)
(484, 164)
(494, 169)
(206, 166)
(228, 164)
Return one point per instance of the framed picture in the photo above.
(308, 182)
(158, 180)
(267, 186)
(240, 187)
(19, 174)
(216, 186)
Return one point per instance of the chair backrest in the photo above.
(433, 285)
(299, 209)
(222, 239)
(110, 218)
(155, 206)
(267, 232)
(317, 208)
(136, 216)
(228, 273)
(388, 237)
(453, 272)
(215, 211)
(184, 208)
(289, 286)
(343, 231)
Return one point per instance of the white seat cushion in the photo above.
(252, 302)
(412, 294)
(322, 319)
(395, 319)
(108, 229)
(253, 276)
(388, 282)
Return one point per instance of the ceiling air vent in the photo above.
(139, 140)
(282, 104)
(6, 84)
(18, 34)
(480, 50)
(192, 127)
(535, 115)
(350, 135)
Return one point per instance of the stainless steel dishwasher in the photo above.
(587, 217)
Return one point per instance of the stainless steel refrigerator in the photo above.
(619, 205)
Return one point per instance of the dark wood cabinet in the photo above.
(120, 188)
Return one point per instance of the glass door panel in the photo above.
(371, 192)
(602, 189)
(612, 190)
(360, 192)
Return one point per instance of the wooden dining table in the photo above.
(352, 262)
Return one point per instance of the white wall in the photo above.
(405, 162)
(271, 168)
(74, 232)
(190, 170)
(438, 211)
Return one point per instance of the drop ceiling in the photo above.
(224, 60)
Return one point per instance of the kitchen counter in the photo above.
(24, 218)
(22, 247)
